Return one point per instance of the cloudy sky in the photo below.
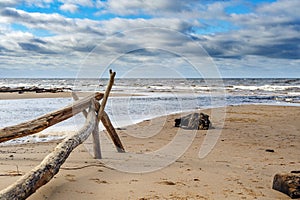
(143, 38)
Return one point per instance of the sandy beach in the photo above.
(241, 165)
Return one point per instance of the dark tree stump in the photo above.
(288, 183)
(198, 121)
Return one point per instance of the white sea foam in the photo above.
(263, 87)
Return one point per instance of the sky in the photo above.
(150, 38)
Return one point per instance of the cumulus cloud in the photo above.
(72, 6)
(87, 3)
(34, 20)
(69, 8)
(124, 7)
(270, 32)
(5, 3)
(266, 31)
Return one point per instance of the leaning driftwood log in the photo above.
(44, 172)
(108, 126)
(96, 137)
(288, 183)
(45, 121)
(112, 132)
(106, 94)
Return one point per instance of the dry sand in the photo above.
(239, 167)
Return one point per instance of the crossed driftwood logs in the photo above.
(51, 164)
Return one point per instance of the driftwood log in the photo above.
(96, 137)
(44, 172)
(108, 126)
(45, 121)
(96, 140)
(106, 94)
(50, 166)
(287, 183)
(112, 133)
(105, 119)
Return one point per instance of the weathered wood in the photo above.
(288, 183)
(198, 121)
(106, 94)
(111, 130)
(96, 142)
(95, 133)
(50, 166)
(112, 133)
(96, 138)
(108, 126)
(45, 121)
(76, 98)
(194, 121)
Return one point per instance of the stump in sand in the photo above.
(288, 183)
(198, 121)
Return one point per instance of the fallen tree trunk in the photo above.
(44, 172)
(45, 121)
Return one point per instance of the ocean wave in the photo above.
(270, 88)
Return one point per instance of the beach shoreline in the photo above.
(238, 167)
(33, 95)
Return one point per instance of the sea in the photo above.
(144, 99)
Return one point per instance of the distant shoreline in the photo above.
(33, 95)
